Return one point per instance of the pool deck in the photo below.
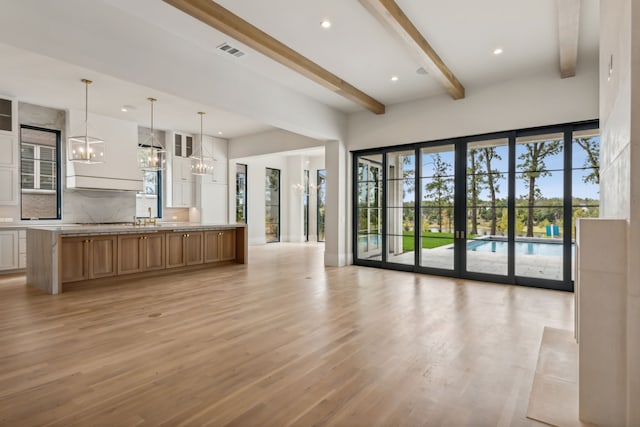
(539, 266)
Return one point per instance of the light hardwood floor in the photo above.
(280, 341)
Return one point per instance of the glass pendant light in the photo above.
(151, 155)
(201, 162)
(85, 148)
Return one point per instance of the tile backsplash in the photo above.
(80, 206)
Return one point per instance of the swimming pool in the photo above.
(524, 248)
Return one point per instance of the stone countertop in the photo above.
(13, 226)
(89, 229)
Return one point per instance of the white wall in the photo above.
(271, 142)
(295, 207)
(532, 101)
(292, 154)
(620, 177)
(256, 169)
(291, 201)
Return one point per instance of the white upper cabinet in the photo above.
(9, 155)
(182, 144)
(8, 150)
(179, 180)
(216, 148)
(120, 169)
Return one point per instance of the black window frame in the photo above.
(320, 186)
(306, 200)
(279, 205)
(159, 187)
(246, 189)
(566, 284)
(58, 175)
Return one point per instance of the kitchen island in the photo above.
(84, 254)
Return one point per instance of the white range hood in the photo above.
(119, 171)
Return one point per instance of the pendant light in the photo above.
(85, 148)
(201, 162)
(151, 155)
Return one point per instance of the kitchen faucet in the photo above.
(151, 220)
(145, 221)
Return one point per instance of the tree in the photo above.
(475, 186)
(591, 146)
(440, 188)
(534, 167)
(488, 154)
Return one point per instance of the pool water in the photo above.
(525, 248)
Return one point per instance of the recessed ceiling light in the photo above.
(126, 108)
(394, 78)
(497, 51)
(220, 133)
(326, 24)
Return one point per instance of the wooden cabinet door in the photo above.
(74, 255)
(103, 256)
(130, 254)
(175, 249)
(228, 245)
(154, 252)
(219, 245)
(211, 246)
(194, 246)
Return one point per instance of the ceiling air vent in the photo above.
(226, 47)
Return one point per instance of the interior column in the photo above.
(336, 204)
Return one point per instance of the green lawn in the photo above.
(429, 240)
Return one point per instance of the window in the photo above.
(39, 173)
(306, 205)
(322, 197)
(272, 205)
(151, 195)
(241, 193)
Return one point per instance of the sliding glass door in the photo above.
(400, 213)
(437, 207)
(369, 207)
(539, 221)
(499, 207)
(486, 231)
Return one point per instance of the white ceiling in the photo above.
(356, 48)
(463, 32)
(41, 80)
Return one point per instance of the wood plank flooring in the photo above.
(280, 341)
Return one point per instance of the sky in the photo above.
(550, 186)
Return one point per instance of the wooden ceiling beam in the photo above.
(223, 20)
(568, 33)
(391, 16)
